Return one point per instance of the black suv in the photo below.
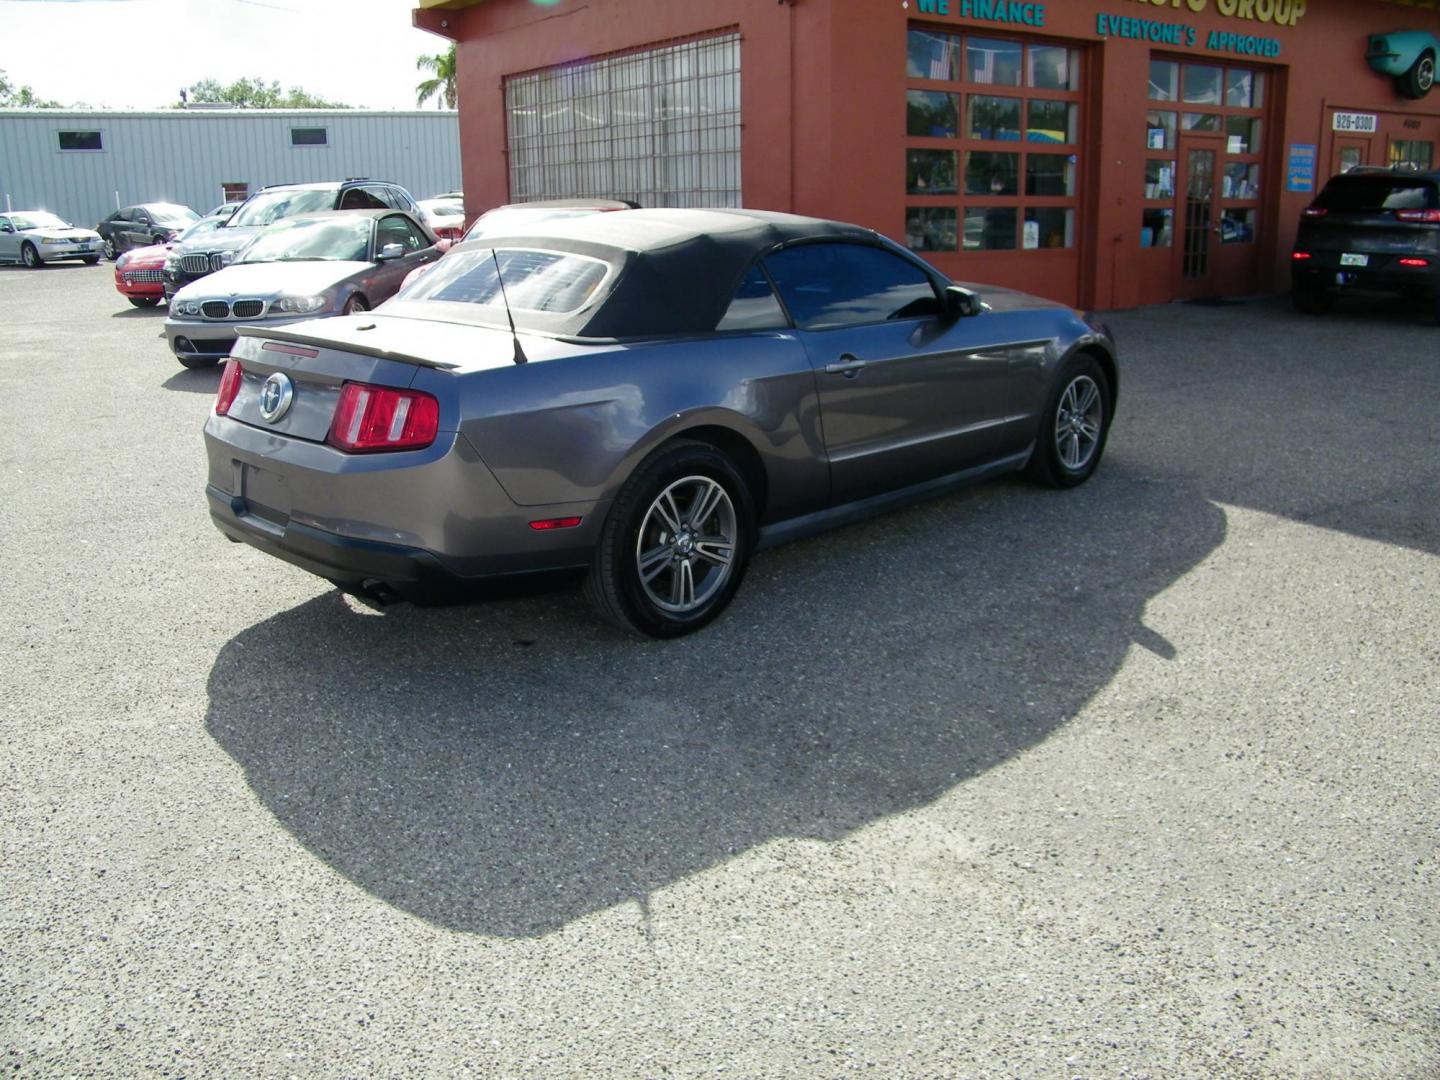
(205, 254)
(1369, 230)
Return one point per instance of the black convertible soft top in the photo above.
(673, 271)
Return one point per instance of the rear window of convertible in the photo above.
(553, 282)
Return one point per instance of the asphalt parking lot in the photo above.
(1135, 780)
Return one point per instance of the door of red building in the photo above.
(1198, 238)
(1350, 151)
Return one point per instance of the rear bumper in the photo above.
(1321, 273)
(411, 518)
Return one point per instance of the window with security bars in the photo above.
(660, 126)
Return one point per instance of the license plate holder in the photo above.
(1349, 259)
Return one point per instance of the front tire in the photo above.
(1074, 425)
(1416, 82)
(355, 305)
(30, 257)
(143, 301)
(674, 548)
(90, 260)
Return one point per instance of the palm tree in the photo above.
(443, 83)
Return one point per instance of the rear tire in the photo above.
(90, 260)
(112, 252)
(674, 548)
(194, 363)
(355, 305)
(143, 301)
(1416, 82)
(30, 257)
(1074, 425)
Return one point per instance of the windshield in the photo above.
(201, 227)
(544, 281)
(343, 239)
(40, 219)
(1361, 194)
(270, 206)
(515, 221)
(179, 216)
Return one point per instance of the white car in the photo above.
(35, 237)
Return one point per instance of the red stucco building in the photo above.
(1107, 153)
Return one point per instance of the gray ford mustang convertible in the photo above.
(650, 396)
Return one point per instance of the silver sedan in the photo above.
(36, 237)
(305, 267)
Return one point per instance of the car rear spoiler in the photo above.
(319, 342)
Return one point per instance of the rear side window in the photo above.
(755, 306)
(1362, 194)
(827, 285)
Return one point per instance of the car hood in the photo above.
(1000, 299)
(224, 239)
(271, 279)
(70, 233)
(147, 257)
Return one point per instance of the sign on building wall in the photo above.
(1355, 123)
(1300, 167)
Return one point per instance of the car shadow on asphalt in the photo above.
(506, 768)
(194, 380)
(158, 311)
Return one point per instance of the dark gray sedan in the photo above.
(649, 396)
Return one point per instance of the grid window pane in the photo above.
(932, 55)
(1050, 121)
(1160, 131)
(930, 228)
(1241, 181)
(1164, 80)
(661, 127)
(1049, 175)
(1048, 227)
(1159, 179)
(990, 228)
(930, 172)
(995, 63)
(989, 173)
(1240, 89)
(1237, 227)
(1242, 135)
(1200, 122)
(1052, 67)
(994, 118)
(1202, 85)
(932, 113)
(1157, 228)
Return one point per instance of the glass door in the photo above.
(1349, 152)
(1200, 216)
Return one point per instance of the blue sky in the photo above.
(138, 53)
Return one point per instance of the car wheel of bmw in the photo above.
(29, 256)
(676, 543)
(1074, 426)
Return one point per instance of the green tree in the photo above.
(443, 84)
(22, 97)
(252, 94)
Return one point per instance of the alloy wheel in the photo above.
(685, 551)
(1078, 421)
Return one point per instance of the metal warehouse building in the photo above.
(81, 164)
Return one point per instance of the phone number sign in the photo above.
(1357, 123)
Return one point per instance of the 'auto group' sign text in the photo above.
(1280, 12)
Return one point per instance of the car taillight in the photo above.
(229, 387)
(1300, 256)
(1427, 217)
(1414, 262)
(373, 418)
(1314, 211)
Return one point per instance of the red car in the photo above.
(138, 275)
(139, 272)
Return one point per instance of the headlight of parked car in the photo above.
(53, 240)
(298, 305)
(122, 260)
(188, 307)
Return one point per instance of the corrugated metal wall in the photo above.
(184, 156)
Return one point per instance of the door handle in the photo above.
(849, 365)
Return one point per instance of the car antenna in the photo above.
(520, 357)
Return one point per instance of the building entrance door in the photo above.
(1199, 236)
(1348, 153)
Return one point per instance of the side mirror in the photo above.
(962, 303)
(390, 251)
